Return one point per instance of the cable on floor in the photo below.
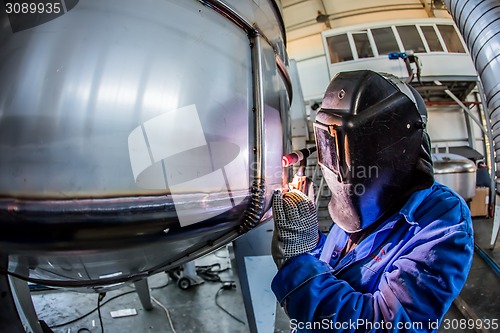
(227, 285)
(96, 308)
(166, 311)
(99, 300)
(92, 311)
(210, 272)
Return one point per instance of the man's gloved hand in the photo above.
(295, 226)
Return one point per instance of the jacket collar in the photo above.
(413, 203)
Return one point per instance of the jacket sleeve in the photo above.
(414, 291)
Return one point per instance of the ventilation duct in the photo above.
(479, 23)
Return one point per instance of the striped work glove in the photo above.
(295, 226)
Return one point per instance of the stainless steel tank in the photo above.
(136, 135)
(456, 172)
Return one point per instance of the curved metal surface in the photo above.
(463, 183)
(81, 94)
(252, 26)
(456, 172)
(479, 23)
(452, 163)
(263, 19)
(127, 138)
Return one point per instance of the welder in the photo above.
(400, 246)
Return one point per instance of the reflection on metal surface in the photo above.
(456, 172)
(192, 165)
(119, 121)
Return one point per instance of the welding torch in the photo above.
(300, 180)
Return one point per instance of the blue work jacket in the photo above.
(401, 278)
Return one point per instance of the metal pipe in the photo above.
(479, 24)
(464, 108)
(256, 207)
(226, 11)
(480, 31)
(493, 265)
(9, 316)
(446, 140)
(491, 145)
(254, 213)
(471, 137)
(258, 74)
(431, 103)
(251, 30)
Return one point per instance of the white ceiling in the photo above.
(300, 15)
(303, 30)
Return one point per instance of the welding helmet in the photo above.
(372, 146)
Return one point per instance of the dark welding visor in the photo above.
(328, 148)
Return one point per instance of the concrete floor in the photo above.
(191, 310)
(482, 288)
(194, 310)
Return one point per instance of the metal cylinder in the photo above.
(456, 172)
(130, 138)
(479, 23)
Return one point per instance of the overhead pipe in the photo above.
(479, 24)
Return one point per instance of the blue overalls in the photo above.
(401, 278)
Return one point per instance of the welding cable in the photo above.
(99, 300)
(210, 273)
(109, 300)
(92, 311)
(227, 285)
(166, 311)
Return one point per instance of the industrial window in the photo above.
(362, 43)
(339, 48)
(432, 38)
(411, 38)
(385, 41)
(451, 39)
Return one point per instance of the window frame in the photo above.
(393, 25)
(375, 48)
(354, 48)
